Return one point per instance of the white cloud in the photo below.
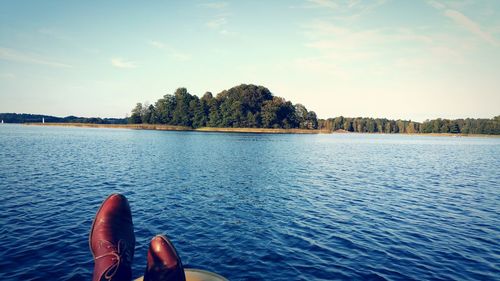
(18, 56)
(226, 32)
(216, 23)
(180, 56)
(320, 28)
(347, 10)
(157, 44)
(347, 52)
(219, 20)
(325, 35)
(214, 5)
(219, 24)
(121, 63)
(172, 52)
(324, 3)
(462, 20)
(459, 5)
(436, 4)
(471, 26)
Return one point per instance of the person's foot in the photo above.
(163, 262)
(112, 240)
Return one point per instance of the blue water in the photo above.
(255, 207)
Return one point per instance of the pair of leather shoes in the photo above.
(112, 243)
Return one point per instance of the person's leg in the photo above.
(112, 240)
(164, 264)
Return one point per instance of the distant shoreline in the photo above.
(160, 127)
(422, 134)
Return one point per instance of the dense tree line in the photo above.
(243, 106)
(37, 118)
(463, 126)
(382, 125)
(251, 106)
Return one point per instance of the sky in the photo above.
(395, 59)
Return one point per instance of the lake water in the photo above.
(255, 207)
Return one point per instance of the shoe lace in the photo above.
(118, 253)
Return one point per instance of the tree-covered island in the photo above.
(243, 106)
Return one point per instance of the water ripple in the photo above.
(255, 207)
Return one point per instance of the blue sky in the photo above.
(381, 58)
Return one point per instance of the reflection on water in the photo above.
(274, 207)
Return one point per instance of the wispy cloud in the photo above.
(157, 44)
(220, 24)
(345, 10)
(436, 4)
(219, 20)
(347, 52)
(214, 5)
(326, 35)
(464, 21)
(324, 3)
(470, 25)
(23, 57)
(121, 63)
(217, 23)
(172, 52)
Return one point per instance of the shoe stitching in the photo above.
(118, 253)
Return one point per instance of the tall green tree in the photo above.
(301, 115)
(148, 114)
(312, 120)
(181, 115)
(136, 116)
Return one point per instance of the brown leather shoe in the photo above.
(112, 240)
(163, 262)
